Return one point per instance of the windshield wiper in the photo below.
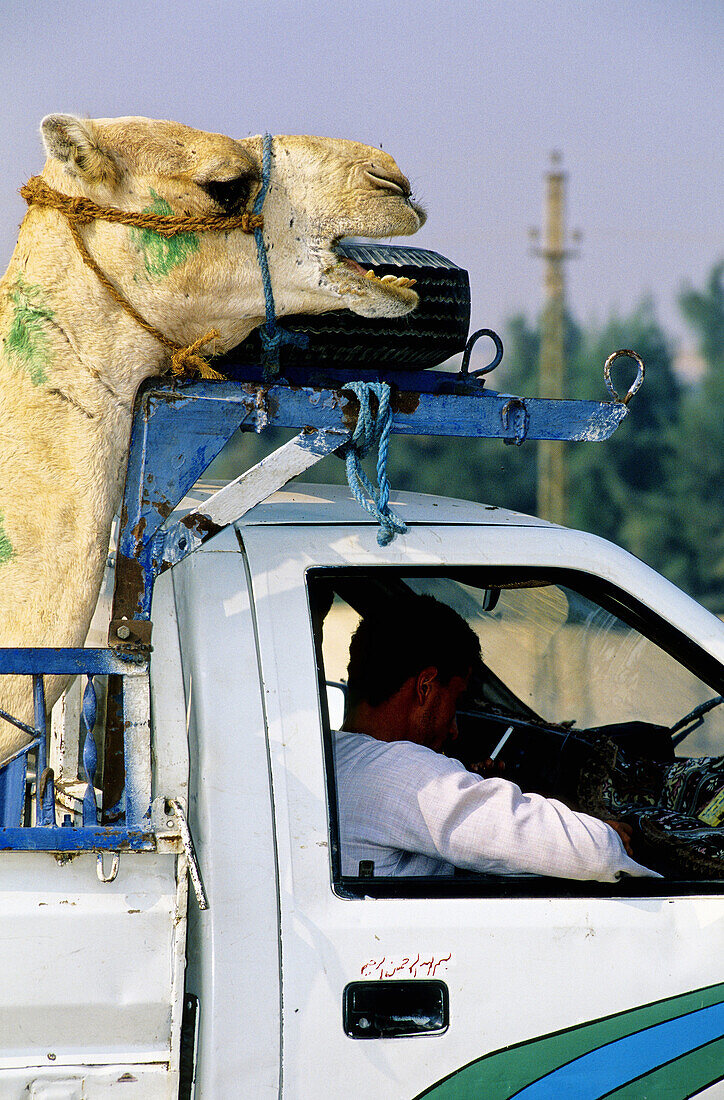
(696, 716)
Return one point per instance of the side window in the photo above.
(597, 708)
(340, 623)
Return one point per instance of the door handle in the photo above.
(394, 1010)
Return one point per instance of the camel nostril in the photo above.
(383, 182)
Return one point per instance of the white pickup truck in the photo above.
(297, 982)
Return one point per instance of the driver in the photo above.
(413, 811)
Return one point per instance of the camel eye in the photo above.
(231, 195)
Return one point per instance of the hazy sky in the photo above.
(470, 98)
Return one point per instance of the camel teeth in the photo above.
(400, 281)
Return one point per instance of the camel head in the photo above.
(321, 190)
(91, 305)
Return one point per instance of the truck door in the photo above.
(477, 985)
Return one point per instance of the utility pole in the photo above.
(552, 503)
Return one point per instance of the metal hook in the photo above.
(468, 350)
(100, 871)
(635, 385)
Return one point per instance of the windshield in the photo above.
(574, 662)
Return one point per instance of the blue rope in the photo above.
(272, 336)
(371, 431)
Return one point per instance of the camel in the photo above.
(72, 357)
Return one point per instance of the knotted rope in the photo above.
(372, 431)
(82, 211)
(79, 211)
(271, 334)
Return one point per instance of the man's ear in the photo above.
(77, 145)
(423, 683)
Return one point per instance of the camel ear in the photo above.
(77, 146)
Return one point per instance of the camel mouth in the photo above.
(389, 281)
(365, 292)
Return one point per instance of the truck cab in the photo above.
(306, 979)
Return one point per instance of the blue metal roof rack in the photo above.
(179, 429)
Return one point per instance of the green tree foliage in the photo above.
(611, 483)
(685, 533)
(704, 311)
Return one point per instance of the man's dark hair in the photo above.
(410, 634)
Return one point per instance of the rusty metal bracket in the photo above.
(244, 492)
(514, 414)
(130, 634)
(178, 430)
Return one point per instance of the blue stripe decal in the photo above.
(609, 1067)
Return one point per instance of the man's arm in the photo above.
(489, 769)
(489, 825)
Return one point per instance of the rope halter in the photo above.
(271, 334)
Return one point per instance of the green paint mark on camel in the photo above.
(161, 254)
(27, 342)
(6, 547)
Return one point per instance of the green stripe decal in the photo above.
(521, 1069)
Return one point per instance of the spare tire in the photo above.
(435, 330)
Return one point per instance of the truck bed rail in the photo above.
(43, 832)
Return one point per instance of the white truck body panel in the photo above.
(233, 946)
(91, 974)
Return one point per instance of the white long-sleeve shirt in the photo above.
(414, 812)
